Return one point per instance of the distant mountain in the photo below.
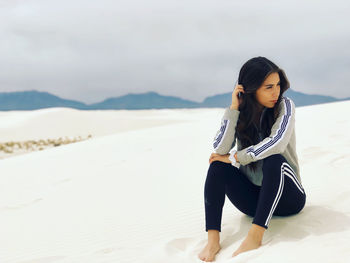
(149, 100)
(31, 100)
(302, 99)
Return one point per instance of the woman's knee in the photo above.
(216, 166)
(217, 171)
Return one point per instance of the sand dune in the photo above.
(134, 192)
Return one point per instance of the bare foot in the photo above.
(209, 251)
(249, 243)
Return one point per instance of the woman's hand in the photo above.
(235, 100)
(218, 157)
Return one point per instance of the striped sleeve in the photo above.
(225, 137)
(278, 139)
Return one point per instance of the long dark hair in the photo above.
(251, 76)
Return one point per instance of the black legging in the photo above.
(280, 194)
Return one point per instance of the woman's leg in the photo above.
(281, 193)
(223, 178)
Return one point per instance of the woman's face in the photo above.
(269, 91)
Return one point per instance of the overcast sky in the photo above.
(91, 50)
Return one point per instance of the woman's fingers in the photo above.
(240, 88)
(236, 100)
(213, 157)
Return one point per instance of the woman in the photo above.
(262, 177)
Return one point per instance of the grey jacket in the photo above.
(280, 141)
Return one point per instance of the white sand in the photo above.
(60, 122)
(135, 193)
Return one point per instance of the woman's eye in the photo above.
(271, 87)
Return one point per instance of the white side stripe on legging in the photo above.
(277, 198)
(288, 171)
